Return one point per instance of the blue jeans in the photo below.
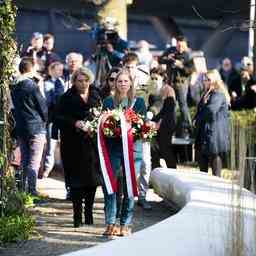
(127, 204)
(31, 156)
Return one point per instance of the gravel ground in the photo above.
(55, 235)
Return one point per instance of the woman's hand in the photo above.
(80, 124)
(167, 91)
(157, 124)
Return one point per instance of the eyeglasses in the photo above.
(111, 79)
(130, 67)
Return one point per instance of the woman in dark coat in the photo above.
(212, 123)
(166, 121)
(78, 149)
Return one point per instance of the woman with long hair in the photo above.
(123, 98)
(109, 86)
(212, 123)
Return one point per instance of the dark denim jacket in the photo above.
(30, 108)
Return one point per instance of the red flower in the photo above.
(109, 123)
(145, 128)
(131, 116)
(117, 131)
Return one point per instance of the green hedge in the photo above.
(244, 118)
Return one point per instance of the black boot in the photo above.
(78, 222)
(88, 218)
(77, 217)
(88, 206)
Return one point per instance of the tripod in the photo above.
(103, 66)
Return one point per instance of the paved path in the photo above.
(55, 234)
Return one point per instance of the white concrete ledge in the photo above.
(203, 227)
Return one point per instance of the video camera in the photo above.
(107, 32)
(105, 36)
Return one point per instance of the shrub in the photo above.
(16, 203)
(16, 228)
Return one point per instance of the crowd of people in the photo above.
(52, 99)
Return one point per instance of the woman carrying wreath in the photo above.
(123, 98)
(78, 148)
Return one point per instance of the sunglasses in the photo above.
(206, 79)
(111, 79)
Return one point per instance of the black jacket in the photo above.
(168, 117)
(30, 108)
(78, 150)
(177, 75)
(232, 81)
(247, 100)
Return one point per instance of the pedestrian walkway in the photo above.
(55, 234)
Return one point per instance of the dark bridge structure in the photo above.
(219, 28)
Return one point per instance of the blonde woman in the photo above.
(211, 122)
(78, 149)
(123, 98)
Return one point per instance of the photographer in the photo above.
(179, 68)
(110, 48)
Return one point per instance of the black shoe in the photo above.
(77, 223)
(144, 204)
(88, 219)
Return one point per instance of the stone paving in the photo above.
(54, 233)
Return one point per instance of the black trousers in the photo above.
(214, 160)
(162, 148)
(80, 196)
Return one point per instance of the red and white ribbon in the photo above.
(106, 168)
(127, 141)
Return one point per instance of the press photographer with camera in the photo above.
(109, 41)
(110, 48)
(179, 68)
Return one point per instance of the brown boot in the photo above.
(125, 230)
(109, 230)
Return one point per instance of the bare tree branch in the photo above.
(199, 15)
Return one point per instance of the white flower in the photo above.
(150, 115)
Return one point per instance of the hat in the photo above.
(37, 35)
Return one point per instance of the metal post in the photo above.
(252, 35)
(251, 28)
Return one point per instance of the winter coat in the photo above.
(78, 150)
(212, 125)
(168, 120)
